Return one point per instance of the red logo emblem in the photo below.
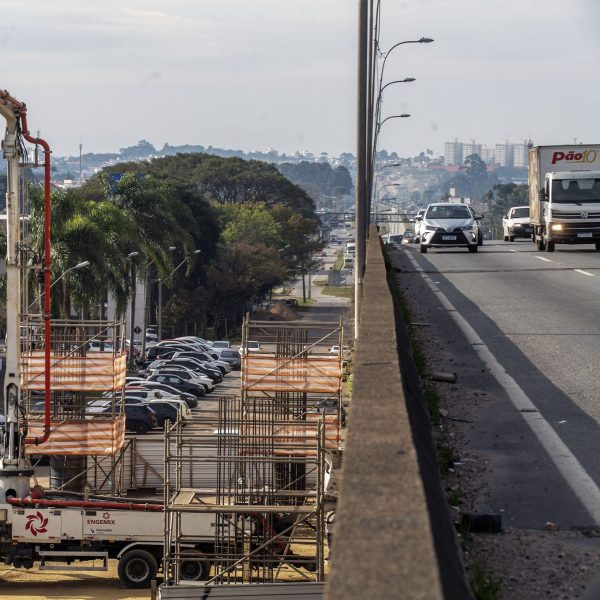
(106, 515)
(36, 523)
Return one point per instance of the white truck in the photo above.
(564, 195)
(75, 532)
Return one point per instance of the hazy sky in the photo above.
(254, 74)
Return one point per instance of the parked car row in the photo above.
(172, 378)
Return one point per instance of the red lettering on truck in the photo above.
(585, 156)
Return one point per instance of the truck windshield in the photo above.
(577, 191)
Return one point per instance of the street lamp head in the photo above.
(408, 80)
(197, 251)
(172, 248)
(80, 265)
(404, 115)
(425, 40)
(133, 254)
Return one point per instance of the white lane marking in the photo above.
(570, 468)
(544, 259)
(583, 272)
(512, 250)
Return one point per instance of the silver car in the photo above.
(446, 225)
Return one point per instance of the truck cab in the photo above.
(569, 206)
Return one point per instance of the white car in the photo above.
(249, 347)
(447, 225)
(418, 220)
(516, 223)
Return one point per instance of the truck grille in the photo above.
(559, 214)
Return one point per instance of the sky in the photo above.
(259, 74)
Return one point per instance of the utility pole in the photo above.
(361, 161)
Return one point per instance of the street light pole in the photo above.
(130, 258)
(160, 292)
(361, 162)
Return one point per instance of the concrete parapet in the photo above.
(383, 543)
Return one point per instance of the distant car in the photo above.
(190, 399)
(336, 349)
(516, 223)
(220, 345)
(233, 358)
(98, 346)
(138, 417)
(418, 220)
(393, 238)
(447, 225)
(408, 237)
(477, 218)
(179, 383)
(249, 347)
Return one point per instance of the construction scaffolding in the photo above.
(273, 454)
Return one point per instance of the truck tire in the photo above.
(597, 246)
(549, 246)
(137, 568)
(422, 248)
(473, 249)
(511, 238)
(540, 244)
(194, 568)
(506, 238)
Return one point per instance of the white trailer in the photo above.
(564, 195)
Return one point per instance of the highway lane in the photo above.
(539, 314)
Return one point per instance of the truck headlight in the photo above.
(556, 227)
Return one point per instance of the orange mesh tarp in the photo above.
(267, 373)
(83, 438)
(98, 371)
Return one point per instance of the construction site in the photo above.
(238, 500)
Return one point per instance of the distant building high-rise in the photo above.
(488, 155)
(505, 154)
(453, 153)
(520, 155)
(471, 148)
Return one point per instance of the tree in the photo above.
(472, 179)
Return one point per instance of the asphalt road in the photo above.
(539, 316)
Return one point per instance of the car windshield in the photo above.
(519, 213)
(229, 354)
(457, 211)
(577, 191)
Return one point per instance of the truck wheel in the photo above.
(540, 244)
(549, 246)
(511, 238)
(597, 246)
(480, 240)
(194, 568)
(473, 249)
(422, 248)
(506, 238)
(137, 568)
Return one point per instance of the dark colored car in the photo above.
(138, 417)
(194, 365)
(190, 399)
(233, 358)
(184, 373)
(164, 411)
(202, 357)
(142, 392)
(179, 383)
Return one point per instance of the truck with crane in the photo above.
(57, 526)
(564, 195)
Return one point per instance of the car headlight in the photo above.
(556, 227)
(517, 225)
(430, 228)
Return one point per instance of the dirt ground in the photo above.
(65, 585)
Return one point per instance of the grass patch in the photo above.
(339, 261)
(339, 291)
(308, 302)
(483, 586)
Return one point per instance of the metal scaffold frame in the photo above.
(271, 450)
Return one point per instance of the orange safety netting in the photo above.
(83, 438)
(267, 373)
(98, 371)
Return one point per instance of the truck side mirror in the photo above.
(542, 196)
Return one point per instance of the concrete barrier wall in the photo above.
(383, 544)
